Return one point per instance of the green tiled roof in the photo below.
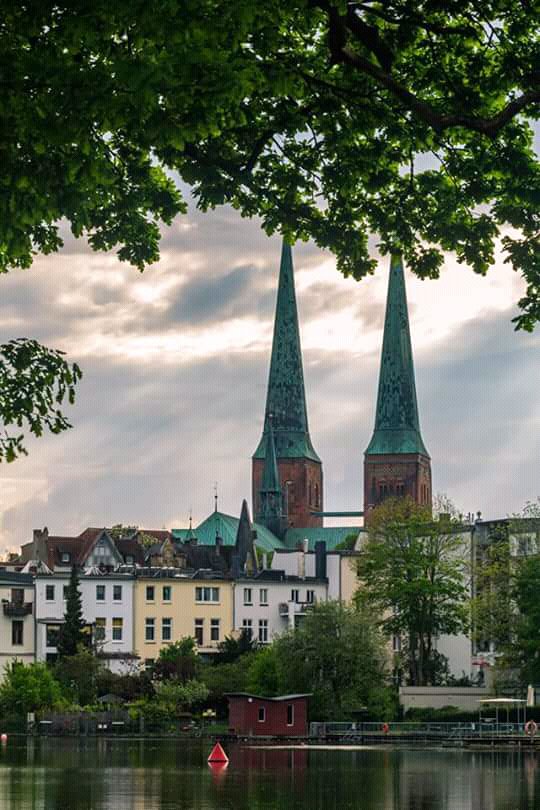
(286, 398)
(397, 426)
(332, 536)
(227, 526)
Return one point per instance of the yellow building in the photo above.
(17, 619)
(348, 577)
(168, 608)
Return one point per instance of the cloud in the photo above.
(176, 363)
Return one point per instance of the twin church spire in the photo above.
(287, 476)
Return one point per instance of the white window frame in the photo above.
(152, 600)
(104, 593)
(150, 622)
(263, 631)
(47, 597)
(121, 628)
(263, 718)
(263, 600)
(168, 626)
(248, 596)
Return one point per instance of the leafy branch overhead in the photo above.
(328, 119)
(34, 382)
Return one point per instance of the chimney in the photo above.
(264, 561)
(320, 559)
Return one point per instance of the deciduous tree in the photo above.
(413, 576)
(328, 119)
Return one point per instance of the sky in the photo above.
(176, 361)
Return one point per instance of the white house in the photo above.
(107, 604)
(17, 625)
(271, 602)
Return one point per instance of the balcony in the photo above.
(17, 610)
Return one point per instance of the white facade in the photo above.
(302, 563)
(266, 607)
(107, 604)
(17, 625)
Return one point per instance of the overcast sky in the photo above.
(175, 367)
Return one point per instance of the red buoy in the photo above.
(217, 754)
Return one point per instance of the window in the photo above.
(396, 643)
(166, 593)
(262, 714)
(117, 593)
(310, 500)
(49, 593)
(149, 629)
(214, 629)
(400, 488)
(117, 629)
(295, 595)
(65, 557)
(150, 593)
(247, 596)
(317, 501)
(263, 596)
(17, 596)
(100, 593)
(310, 597)
(290, 714)
(52, 631)
(247, 627)
(166, 629)
(17, 627)
(100, 626)
(263, 631)
(199, 631)
(207, 594)
(65, 589)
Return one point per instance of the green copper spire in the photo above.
(271, 499)
(286, 398)
(270, 480)
(397, 427)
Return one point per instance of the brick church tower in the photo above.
(286, 432)
(396, 461)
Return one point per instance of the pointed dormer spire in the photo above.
(396, 460)
(244, 548)
(271, 513)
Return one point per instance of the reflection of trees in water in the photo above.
(67, 774)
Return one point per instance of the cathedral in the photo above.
(287, 472)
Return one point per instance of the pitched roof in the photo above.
(286, 397)
(397, 426)
(332, 536)
(226, 526)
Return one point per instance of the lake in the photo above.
(84, 774)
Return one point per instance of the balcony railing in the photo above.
(17, 609)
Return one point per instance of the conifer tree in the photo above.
(72, 632)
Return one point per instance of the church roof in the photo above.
(226, 526)
(286, 397)
(332, 536)
(397, 426)
(270, 477)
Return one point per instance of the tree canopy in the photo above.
(72, 633)
(413, 575)
(329, 119)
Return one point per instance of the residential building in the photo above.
(17, 618)
(170, 604)
(269, 603)
(340, 568)
(107, 606)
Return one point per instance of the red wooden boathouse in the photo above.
(282, 716)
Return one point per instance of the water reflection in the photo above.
(63, 774)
